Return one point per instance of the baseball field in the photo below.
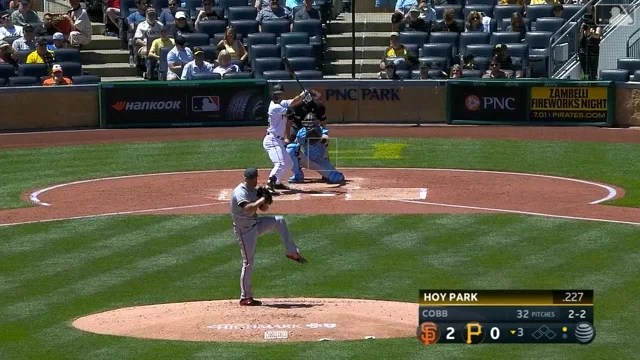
(134, 224)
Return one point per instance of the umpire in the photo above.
(298, 113)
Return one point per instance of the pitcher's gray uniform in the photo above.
(247, 227)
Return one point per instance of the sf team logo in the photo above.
(428, 333)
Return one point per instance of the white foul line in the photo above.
(114, 213)
(611, 195)
(518, 212)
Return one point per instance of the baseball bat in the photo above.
(287, 65)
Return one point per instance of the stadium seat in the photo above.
(552, 24)
(456, 8)
(160, 4)
(297, 50)
(505, 37)
(263, 64)
(163, 66)
(481, 2)
(3, 82)
(404, 74)
(538, 42)
(295, 10)
(469, 38)
(276, 26)
(620, 75)
(197, 39)
(468, 73)
(238, 75)
(67, 54)
(309, 75)
(70, 68)
(226, 4)
(22, 56)
(570, 10)
(414, 37)
(23, 81)
(261, 38)
(293, 38)
(436, 62)
(312, 27)
(519, 52)
(480, 50)
(207, 76)
(7, 71)
(150, 39)
(85, 79)
(238, 63)
(275, 75)
(439, 50)
(487, 9)
(262, 51)
(507, 22)
(33, 70)
(212, 27)
(538, 11)
(446, 38)
(636, 76)
(505, 11)
(413, 49)
(482, 63)
(209, 53)
(192, 5)
(245, 26)
(11, 39)
(242, 13)
(631, 64)
(125, 5)
(302, 63)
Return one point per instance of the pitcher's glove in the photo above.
(263, 192)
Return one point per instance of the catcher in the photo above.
(310, 151)
(246, 199)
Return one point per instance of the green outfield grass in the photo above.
(52, 273)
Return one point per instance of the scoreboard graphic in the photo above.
(506, 316)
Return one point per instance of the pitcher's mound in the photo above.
(294, 319)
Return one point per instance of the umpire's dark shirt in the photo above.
(298, 113)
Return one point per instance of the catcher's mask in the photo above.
(310, 120)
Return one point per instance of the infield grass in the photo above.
(52, 273)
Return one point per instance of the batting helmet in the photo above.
(277, 89)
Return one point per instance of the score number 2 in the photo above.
(494, 333)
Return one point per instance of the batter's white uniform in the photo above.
(273, 142)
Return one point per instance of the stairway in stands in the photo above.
(103, 57)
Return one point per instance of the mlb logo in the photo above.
(205, 104)
(614, 14)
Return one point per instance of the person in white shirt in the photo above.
(177, 58)
(81, 35)
(197, 66)
(149, 27)
(275, 141)
(7, 28)
(224, 64)
(27, 41)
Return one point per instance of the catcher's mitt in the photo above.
(266, 194)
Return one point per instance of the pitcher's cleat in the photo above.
(250, 302)
(297, 257)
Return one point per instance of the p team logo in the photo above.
(205, 104)
(472, 102)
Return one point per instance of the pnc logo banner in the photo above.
(473, 102)
(146, 105)
(478, 103)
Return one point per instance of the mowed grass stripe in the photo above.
(102, 281)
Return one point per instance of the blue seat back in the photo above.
(6, 71)
(297, 50)
(414, 37)
(468, 73)
(261, 38)
(210, 53)
(519, 52)
(245, 26)
(505, 11)
(552, 24)
(197, 39)
(469, 38)
(313, 27)
(85, 79)
(505, 37)
(242, 13)
(23, 81)
(34, 70)
(238, 75)
(261, 65)
(67, 54)
(70, 68)
(212, 27)
(309, 75)
(537, 11)
(570, 10)
(620, 75)
(538, 39)
(293, 38)
(302, 63)
(274, 75)
(480, 50)
(631, 64)
(206, 76)
(264, 51)
(442, 50)
(276, 26)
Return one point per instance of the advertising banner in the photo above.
(183, 103)
(531, 102)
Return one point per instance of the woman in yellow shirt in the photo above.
(232, 45)
(513, 2)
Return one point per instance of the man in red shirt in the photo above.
(113, 13)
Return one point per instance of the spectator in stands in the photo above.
(449, 23)
(113, 12)
(427, 13)
(424, 72)
(8, 55)
(474, 22)
(24, 15)
(558, 9)
(389, 72)
(397, 53)
(168, 16)
(291, 4)
(177, 58)
(412, 22)
(208, 13)
(308, 12)
(28, 39)
(138, 16)
(149, 27)
(7, 28)
(501, 54)
(41, 55)
(181, 26)
(47, 27)
(14, 4)
(57, 78)
(59, 42)
(224, 64)
(589, 45)
(468, 62)
(403, 6)
(512, 2)
(81, 34)
(539, 2)
(274, 11)
(494, 71)
(518, 25)
(153, 57)
(259, 4)
(197, 65)
(456, 72)
(232, 45)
